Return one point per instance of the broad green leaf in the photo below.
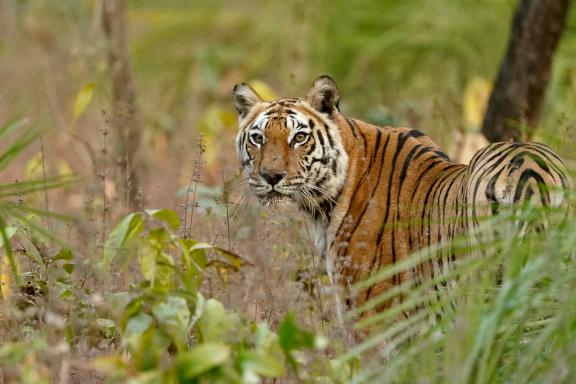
(199, 310)
(64, 254)
(230, 258)
(174, 315)
(83, 98)
(135, 327)
(194, 264)
(265, 341)
(233, 259)
(167, 216)
(138, 324)
(147, 254)
(217, 324)
(173, 311)
(121, 236)
(292, 336)
(68, 268)
(201, 359)
(156, 265)
(262, 365)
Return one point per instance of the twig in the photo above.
(104, 150)
(201, 148)
(225, 198)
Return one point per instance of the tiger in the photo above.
(378, 194)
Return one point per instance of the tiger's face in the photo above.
(291, 149)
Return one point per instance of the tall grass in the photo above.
(504, 313)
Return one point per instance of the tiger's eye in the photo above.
(257, 138)
(300, 137)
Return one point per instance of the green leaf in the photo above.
(217, 324)
(293, 337)
(64, 254)
(156, 265)
(233, 259)
(83, 98)
(202, 359)
(135, 327)
(138, 324)
(262, 365)
(121, 236)
(230, 258)
(174, 314)
(194, 264)
(173, 311)
(167, 216)
(68, 268)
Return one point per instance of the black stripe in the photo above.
(352, 127)
(329, 136)
(367, 201)
(415, 133)
(524, 177)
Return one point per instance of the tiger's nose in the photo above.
(272, 176)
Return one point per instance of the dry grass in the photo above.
(186, 60)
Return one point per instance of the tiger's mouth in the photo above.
(274, 198)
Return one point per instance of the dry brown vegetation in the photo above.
(430, 71)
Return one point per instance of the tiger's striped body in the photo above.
(376, 195)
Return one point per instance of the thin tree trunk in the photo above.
(125, 121)
(515, 104)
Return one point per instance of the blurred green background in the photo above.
(420, 63)
(426, 64)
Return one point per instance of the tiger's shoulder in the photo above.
(403, 134)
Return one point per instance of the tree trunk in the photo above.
(515, 103)
(124, 112)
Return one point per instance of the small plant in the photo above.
(171, 332)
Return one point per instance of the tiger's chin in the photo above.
(274, 199)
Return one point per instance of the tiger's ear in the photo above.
(244, 97)
(324, 95)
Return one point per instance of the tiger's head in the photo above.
(291, 148)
